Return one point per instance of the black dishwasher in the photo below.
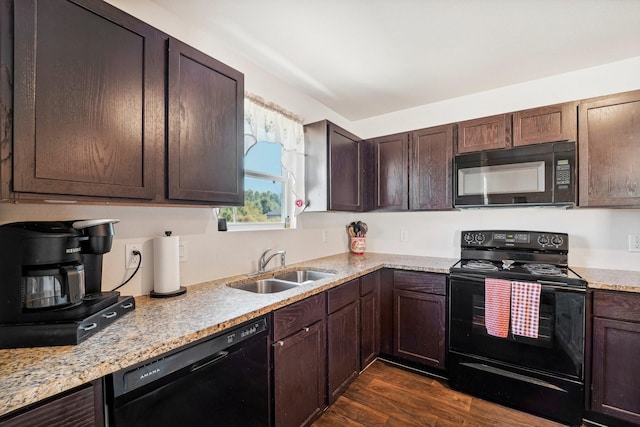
(219, 381)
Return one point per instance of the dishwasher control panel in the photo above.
(192, 357)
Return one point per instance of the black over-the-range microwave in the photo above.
(534, 175)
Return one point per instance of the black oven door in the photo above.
(559, 348)
(541, 174)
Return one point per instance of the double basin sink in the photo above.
(282, 281)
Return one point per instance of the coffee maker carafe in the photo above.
(51, 279)
(53, 287)
(41, 269)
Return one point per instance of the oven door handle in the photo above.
(561, 287)
(463, 276)
(549, 285)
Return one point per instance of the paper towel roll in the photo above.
(166, 267)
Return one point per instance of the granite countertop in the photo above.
(160, 325)
(157, 326)
(613, 280)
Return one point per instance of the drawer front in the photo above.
(617, 305)
(343, 295)
(296, 316)
(368, 284)
(431, 283)
(82, 407)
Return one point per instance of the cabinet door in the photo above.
(369, 318)
(88, 100)
(346, 166)
(616, 373)
(546, 124)
(392, 172)
(431, 166)
(343, 349)
(486, 133)
(609, 147)
(80, 408)
(369, 329)
(299, 376)
(386, 311)
(205, 128)
(420, 327)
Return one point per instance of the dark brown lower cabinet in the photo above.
(419, 323)
(369, 319)
(83, 407)
(615, 374)
(343, 337)
(299, 362)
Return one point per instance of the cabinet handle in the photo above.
(306, 329)
(280, 343)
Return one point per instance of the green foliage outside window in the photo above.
(258, 207)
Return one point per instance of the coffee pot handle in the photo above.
(74, 277)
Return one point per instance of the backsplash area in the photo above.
(598, 237)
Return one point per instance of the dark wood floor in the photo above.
(385, 395)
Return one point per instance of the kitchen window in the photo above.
(274, 169)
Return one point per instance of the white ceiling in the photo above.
(363, 58)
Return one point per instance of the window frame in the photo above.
(284, 198)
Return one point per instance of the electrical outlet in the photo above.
(130, 259)
(404, 235)
(183, 251)
(634, 243)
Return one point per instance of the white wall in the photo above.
(598, 237)
(607, 79)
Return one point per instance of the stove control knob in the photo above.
(543, 240)
(468, 237)
(557, 240)
(479, 237)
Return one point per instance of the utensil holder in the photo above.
(357, 245)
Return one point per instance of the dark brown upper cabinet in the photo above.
(486, 133)
(336, 162)
(100, 106)
(392, 172)
(88, 100)
(546, 124)
(609, 148)
(205, 128)
(431, 168)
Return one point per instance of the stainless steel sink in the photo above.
(264, 286)
(303, 276)
(282, 282)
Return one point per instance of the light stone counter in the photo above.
(157, 326)
(160, 325)
(613, 280)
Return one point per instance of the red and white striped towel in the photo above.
(525, 308)
(497, 304)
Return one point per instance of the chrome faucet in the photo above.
(262, 262)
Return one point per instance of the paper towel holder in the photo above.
(181, 290)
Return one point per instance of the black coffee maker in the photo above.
(50, 282)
